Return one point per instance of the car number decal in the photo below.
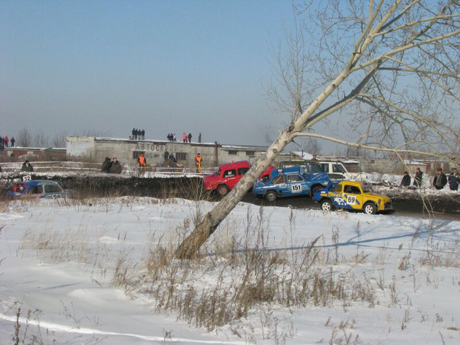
(296, 188)
(351, 200)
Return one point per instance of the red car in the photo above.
(228, 176)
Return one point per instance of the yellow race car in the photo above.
(352, 195)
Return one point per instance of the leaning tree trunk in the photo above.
(211, 221)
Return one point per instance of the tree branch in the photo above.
(368, 147)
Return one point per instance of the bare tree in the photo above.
(389, 66)
(40, 139)
(24, 138)
(60, 140)
(312, 146)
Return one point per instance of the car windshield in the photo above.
(367, 188)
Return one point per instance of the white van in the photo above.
(335, 169)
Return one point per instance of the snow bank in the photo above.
(412, 267)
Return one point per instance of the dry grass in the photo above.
(236, 275)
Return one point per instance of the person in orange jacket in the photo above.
(141, 160)
(198, 162)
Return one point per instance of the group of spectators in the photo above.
(137, 134)
(439, 181)
(111, 166)
(5, 141)
(186, 138)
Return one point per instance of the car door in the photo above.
(279, 184)
(335, 194)
(231, 178)
(35, 192)
(53, 191)
(296, 185)
(353, 197)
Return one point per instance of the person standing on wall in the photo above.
(27, 167)
(440, 180)
(199, 138)
(405, 182)
(454, 179)
(189, 138)
(141, 160)
(115, 168)
(418, 178)
(198, 162)
(12, 141)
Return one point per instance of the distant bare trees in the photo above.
(26, 138)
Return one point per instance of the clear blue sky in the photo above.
(165, 66)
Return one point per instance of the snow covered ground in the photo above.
(96, 272)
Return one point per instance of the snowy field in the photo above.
(102, 272)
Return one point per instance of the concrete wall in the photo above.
(127, 151)
(81, 146)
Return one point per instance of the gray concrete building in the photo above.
(127, 151)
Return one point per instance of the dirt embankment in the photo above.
(114, 185)
(412, 204)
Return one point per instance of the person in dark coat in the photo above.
(143, 134)
(115, 168)
(190, 138)
(418, 178)
(27, 167)
(106, 165)
(405, 182)
(440, 180)
(199, 137)
(12, 141)
(454, 179)
(133, 132)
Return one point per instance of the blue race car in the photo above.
(39, 189)
(291, 181)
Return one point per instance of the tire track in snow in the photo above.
(89, 331)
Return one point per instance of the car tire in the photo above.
(326, 205)
(370, 208)
(271, 196)
(222, 190)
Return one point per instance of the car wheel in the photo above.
(222, 190)
(370, 208)
(271, 196)
(326, 205)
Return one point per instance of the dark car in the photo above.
(39, 189)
